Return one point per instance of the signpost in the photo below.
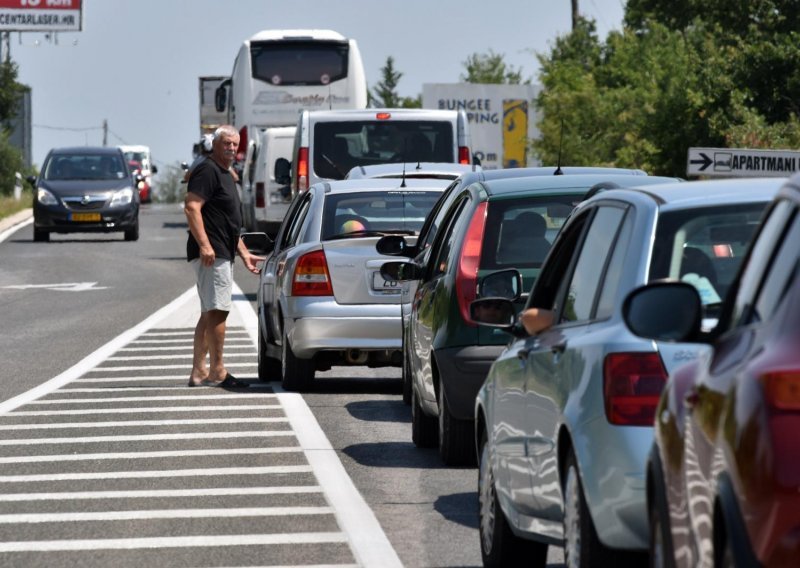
(41, 15)
(737, 162)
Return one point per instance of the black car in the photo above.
(85, 190)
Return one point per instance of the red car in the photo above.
(723, 480)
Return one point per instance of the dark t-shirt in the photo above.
(221, 211)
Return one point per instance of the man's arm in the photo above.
(250, 260)
(192, 206)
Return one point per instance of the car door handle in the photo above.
(559, 347)
(523, 354)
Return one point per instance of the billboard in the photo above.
(501, 119)
(41, 15)
(742, 162)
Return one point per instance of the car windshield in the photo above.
(341, 146)
(378, 212)
(85, 167)
(704, 246)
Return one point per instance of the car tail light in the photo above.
(467, 271)
(260, 194)
(242, 149)
(632, 385)
(301, 182)
(383, 115)
(782, 389)
(311, 276)
(463, 155)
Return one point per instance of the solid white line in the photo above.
(163, 514)
(171, 542)
(148, 455)
(136, 410)
(10, 231)
(127, 423)
(146, 367)
(184, 347)
(165, 493)
(156, 388)
(132, 379)
(95, 358)
(148, 437)
(153, 474)
(237, 396)
(162, 357)
(230, 332)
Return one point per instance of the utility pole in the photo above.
(574, 14)
(105, 132)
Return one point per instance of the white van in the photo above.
(264, 200)
(329, 143)
(140, 162)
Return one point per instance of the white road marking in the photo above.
(135, 410)
(133, 379)
(154, 474)
(172, 542)
(129, 423)
(149, 455)
(63, 287)
(148, 437)
(237, 396)
(154, 493)
(159, 367)
(163, 514)
(159, 388)
(180, 356)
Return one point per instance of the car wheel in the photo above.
(407, 378)
(297, 373)
(582, 548)
(456, 437)
(40, 236)
(269, 368)
(132, 234)
(424, 428)
(499, 545)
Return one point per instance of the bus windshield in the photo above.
(299, 62)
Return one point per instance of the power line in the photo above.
(72, 129)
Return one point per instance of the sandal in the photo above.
(232, 382)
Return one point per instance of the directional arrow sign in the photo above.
(65, 287)
(738, 162)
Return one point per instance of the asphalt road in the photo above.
(71, 299)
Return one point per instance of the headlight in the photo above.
(122, 197)
(45, 197)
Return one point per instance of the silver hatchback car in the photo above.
(321, 299)
(564, 421)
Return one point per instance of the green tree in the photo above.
(490, 68)
(10, 157)
(384, 94)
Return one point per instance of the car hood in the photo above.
(77, 187)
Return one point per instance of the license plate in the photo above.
(85, 217)
(378, 283)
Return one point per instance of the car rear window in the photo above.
(395, 211)
(704, 246)
(299, 63)
(341, 146)
(519, 232)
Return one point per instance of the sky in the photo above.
(135, 63)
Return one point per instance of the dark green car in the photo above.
(488, 226)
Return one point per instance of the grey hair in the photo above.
(225, 129)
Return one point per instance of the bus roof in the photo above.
(267, 35)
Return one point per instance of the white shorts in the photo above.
(214, 284)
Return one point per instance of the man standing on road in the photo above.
(213, 212)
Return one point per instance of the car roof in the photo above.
(577, 182)
(703, 192)
(86, 150)
(371, 114)
(386, 184)
(411, 169)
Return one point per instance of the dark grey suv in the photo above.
(85, 190)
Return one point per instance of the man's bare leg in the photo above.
(215, 340)
(199, 351)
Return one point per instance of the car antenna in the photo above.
(405, 148)
(558, 171)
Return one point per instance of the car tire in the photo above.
(499, 545)
(424, 428)
(132, 234)
(456, 437)
(296, 373)
(582, 547)
(406, 377)
(40, 236)
(269, 368)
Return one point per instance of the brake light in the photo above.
(383, 115)
(632, 385)
(301, 183)
(467, 271)
(242, 149)
(259, 194)
(782, 389)
(311, 276)
(463, 155)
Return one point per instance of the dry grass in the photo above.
(9, 205)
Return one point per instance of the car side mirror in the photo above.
(154, 169)
(283, 171)
(476, 161)
(393, 245)
(31, 180)
(397, 271)
(493, 312)
(221, 97)
(258, 243)
(501, 284)
(664, 311)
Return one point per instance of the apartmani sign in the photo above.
(732, 162)
(41, 15)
